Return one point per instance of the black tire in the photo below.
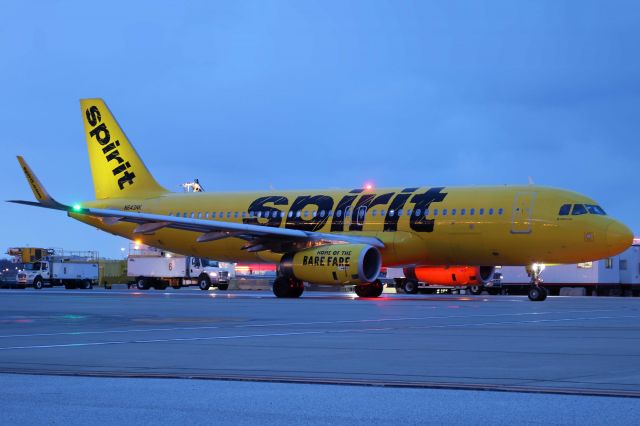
(544, 292)
(38, 283)
(375, 288)
(142, 283)
(476, 290)
(223, 286)
(362, 290)
(204, 282)
(537, 294)
(69, 286)
(87, 285)
(410, 286)
(288, 287)
(493, 291)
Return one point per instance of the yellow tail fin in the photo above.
(118, 171)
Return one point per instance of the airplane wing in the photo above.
(258, 237)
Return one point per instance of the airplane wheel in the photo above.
(288, 287)
(204, 282)
(543, 293)
(86, 285)
(537, 294)
(375, 288)
(369, 290)
(410, 286)
(362, 290)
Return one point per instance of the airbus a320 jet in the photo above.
(340, 237)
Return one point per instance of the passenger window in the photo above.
(408, 212)
(213, 215)
(472, 211)
(274, 214)
(564, 210)
(392, 213)
(491, 212)
(463, 212)
(199, 215)
(184, 214)
(330, 213)
(228, 215)
(578, 209)
(383, 212)
(306, 213)
(235, 214)
(244, 214)
(314, 213)
(338, 213)
(426, 212)
(444, 212)
(206, 215)
(374, 212)
(500, 211)
(435, 212)
(290, 214)
(453, 212)
(399, 212)
(418, 211)
(480, 212)
(298, 213)
(281, 215)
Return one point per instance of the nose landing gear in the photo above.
(537, 293)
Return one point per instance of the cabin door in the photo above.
(522, 213)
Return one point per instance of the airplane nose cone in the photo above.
(619, 237)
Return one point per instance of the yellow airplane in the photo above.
(339, 237)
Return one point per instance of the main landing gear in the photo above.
(373, 289)
(537, 293)
(288, 287)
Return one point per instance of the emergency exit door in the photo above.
(522, 213)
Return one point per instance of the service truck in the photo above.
(158, 269)
(54, 267)
(445, 280)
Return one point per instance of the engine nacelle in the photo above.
(451, 275)
(334, 264)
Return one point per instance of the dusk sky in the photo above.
(250, 95)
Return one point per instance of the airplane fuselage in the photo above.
(501, 225)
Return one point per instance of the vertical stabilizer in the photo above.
(118, 171)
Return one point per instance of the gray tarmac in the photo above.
(576, 346)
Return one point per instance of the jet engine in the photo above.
(334, 264)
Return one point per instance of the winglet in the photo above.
(41, 194)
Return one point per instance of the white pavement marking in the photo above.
(286, 324)
(301, 333)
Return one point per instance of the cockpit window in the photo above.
(593, 209)
(564, 210)
(578, 209)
